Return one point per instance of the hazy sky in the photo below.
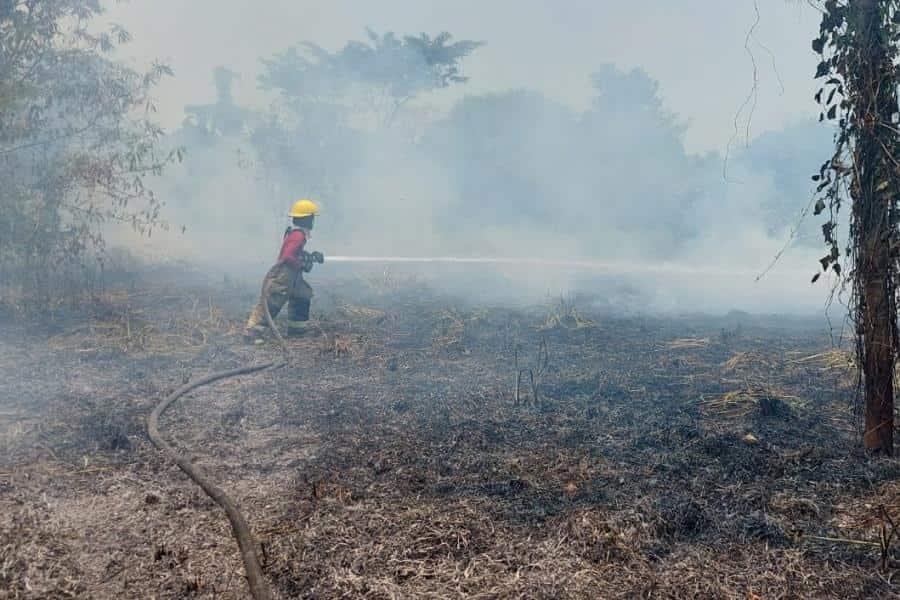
(694, 48)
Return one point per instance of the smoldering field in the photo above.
(663, 457)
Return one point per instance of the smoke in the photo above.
(511, 174)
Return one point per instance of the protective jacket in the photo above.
(291, 253)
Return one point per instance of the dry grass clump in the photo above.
(449, 331)
(830, 360)
(603, 537)
(564, 315)
(749, 361)
(355, 312)
(452, 327)
(762, 400)
(120, 321)
(688, 343)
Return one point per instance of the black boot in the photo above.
(298, 317)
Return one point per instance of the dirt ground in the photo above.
(663, 458)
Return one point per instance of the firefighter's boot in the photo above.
(298, 316)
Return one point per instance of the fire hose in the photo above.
(247, 543)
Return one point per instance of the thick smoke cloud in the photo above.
(510, 173)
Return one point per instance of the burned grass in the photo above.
(663, 458)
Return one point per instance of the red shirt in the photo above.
(291, 247)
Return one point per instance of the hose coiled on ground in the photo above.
(247, 543)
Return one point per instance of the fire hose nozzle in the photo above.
(310, 259)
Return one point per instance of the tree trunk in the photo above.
(875, 281)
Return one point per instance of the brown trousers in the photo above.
(283, 284)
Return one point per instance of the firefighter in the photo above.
(284, 282)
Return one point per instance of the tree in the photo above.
(76, 140)
(508, 150)
(379, 76)
(858, 42)
(628, 131)
(222, 118)
(332, 108)
(612, 177)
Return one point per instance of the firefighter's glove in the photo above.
(311, 258)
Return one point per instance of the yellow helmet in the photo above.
(304, 208)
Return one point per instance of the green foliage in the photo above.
(76, 140)
(385, 72)
(859, 43)
(844, 55)
(331, 104)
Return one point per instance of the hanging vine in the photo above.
(858, 44)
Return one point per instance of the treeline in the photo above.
(354, 128)
(506, 172)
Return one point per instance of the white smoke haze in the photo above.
(609, 172)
